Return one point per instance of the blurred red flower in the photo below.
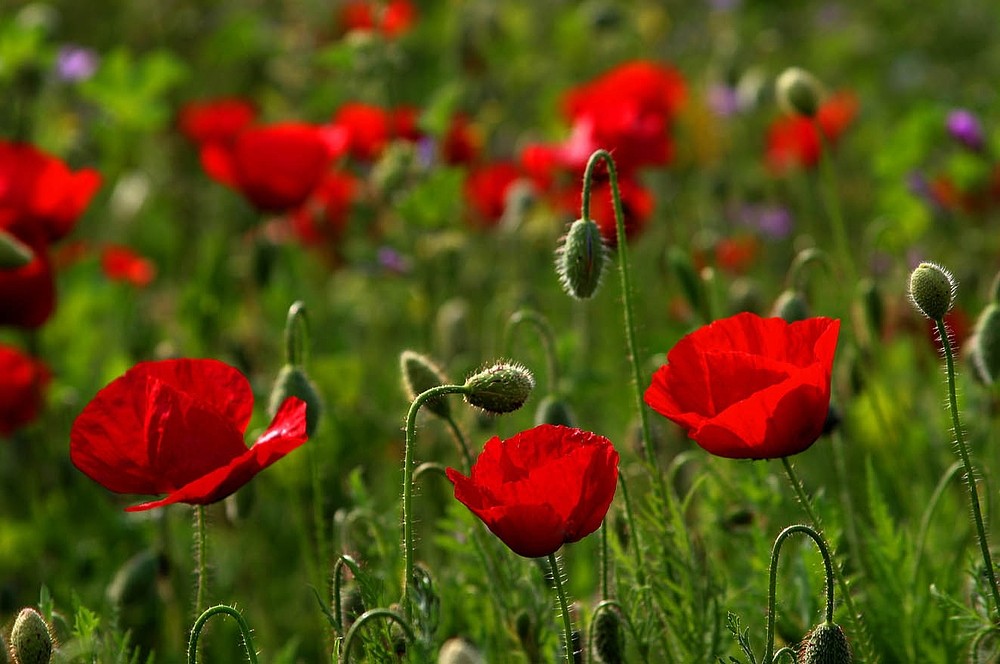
(794, 142)
(275, 166)
(325, 216)
(747, 387)
(462, 142)
(391, 18)
(176, 427)
(120, 263)
(22, 390)
(368, 129)
(486, 190)
(215, 120)
(637, 207)
(28, 294)
(545, 487)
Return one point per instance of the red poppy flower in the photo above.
(545, 487)
(792, 141)
(275, 166)
(747, 387)
(462, 142)
(368, 129)
(486, 191)
(215, 120)
(122, 264)
(326, 215)
(28, 293)
(392, 19)
(22, 389)
(176, 427)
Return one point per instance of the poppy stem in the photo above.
(460, 441)
(773, 580)
(545, 333)
(199, 557)
(557, 582)
(241, 622)
(970, 472)
(407, 498)
(345, 651)
(296, 334)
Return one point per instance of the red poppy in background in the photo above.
(545, 487)
(22, 390)
(368, 129)
(275, 166)
(794, 142)
(747, 387)
(28, 293)
(391, 18)
(326, 215)
(176, 427)
(215, 120)
(120, 263)
(462, 142)
(486, 190)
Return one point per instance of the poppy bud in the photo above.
(986, 344)
(500, 388)
(932, 290)
(874, 308)
(553, 410)
(799, 92)
(30, 640)
(680, 264)
(608, 638)
(580, 259)
(459, 651)
(421, 374)
(13, 252)
(791, 305)
(825, 644)
(135, 582)
(292, 381)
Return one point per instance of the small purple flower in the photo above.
(772, 221)
(392, 261)
(723, 100)
(76, 63)
(964, 127)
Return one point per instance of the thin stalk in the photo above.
(199, 557)
(832, 204)
(605, 577)
(460, 441)
(545, 334)
(970, 476)
(241, 622)
(563, 607)
(345, 653)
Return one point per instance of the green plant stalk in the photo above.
(769, 655)
(832, 205)
(868, 656)
(545, 334)
(970, 477)
(460, 441)
(563, 607)
(199, 558)
(199, 624)
(345, 653)
(407, 513)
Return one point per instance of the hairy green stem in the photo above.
(563, 607)
(199, 558)
(199, 624)
(345, 653)
(296, 334)
(545, 333)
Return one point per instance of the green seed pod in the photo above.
(580, 259)
(30, 639)
(791, 305)
(798, 92)
(292, 381)
(608, 638)
(932, 290)
(825, 644)
(986, 344)
(459, 651)
(13, 252)
(500, 388)
(553, 410)
(421, 374)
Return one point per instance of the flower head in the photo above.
(215, 120)
(176, 427)
(545, 487)
(965, 128)
(747, 387)
(22, 389)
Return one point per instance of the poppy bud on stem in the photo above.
(30, 639)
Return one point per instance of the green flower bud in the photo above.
(791, 305)
(799, 92)
(608, 638)
(30, 639)
(13, 252)
(500, 388)
(292, 381)
(459, 651)
(986, 344)
(744, 295)
(553, 410)
(874, 308)
(825, 644)
(421, 374)
(135, 581)
(932, 290)
(580, 259)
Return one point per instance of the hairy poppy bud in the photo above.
(799, 92)
(986, 344)
(421, 374)
(30, 640)
(825, 644)
(580, 259)
(13, 252)
(608, 638)
(459, 651)
(553, 410)
(791, 305)
(500, 388)
(932, 290)
(292, 381)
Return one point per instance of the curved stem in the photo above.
(296, 334)
(563, 607)
(338, 567)
(970, 474)
(925, 520)
(773, 580)
(431, 467)
(199, 624)
(785, 652)
(607, 605)
(411, 425)
(199, 557)
(460, 441)
(545, 333)
(345, 653)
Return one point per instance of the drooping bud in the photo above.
(421, 374)
(30, 639)
(459, 651)
(608, 638)
(932, 290)
(292, 381)
(791, 305)
(580, 259)
(13, 252)
(799, 92)
(825, 644)
(986, 344)
(500, 388)
(553, 410)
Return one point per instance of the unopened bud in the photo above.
(421, 374)
(608, 638)
(825, 644)
(30, 640)
(553, 410)
(799, 92)
(459, 651)
(292, 381)
(791, 306)
(932, 290)
(500, 388)
(580, 259)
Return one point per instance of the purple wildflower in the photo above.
(76, 63)
(964, 127)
